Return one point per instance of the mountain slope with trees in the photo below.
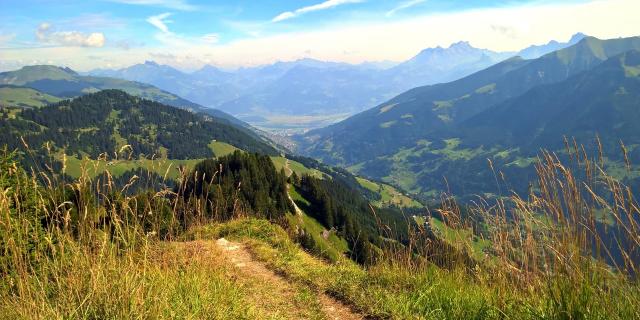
(430, 133)
(106, 121)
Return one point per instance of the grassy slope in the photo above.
(20, 97)
(461, 237)
(389, 195)
(162, 166)
(298, 168)
(93, 168)
(334, 247)
(162, 280)
(29, 74)
(221, 149)
(391, 292)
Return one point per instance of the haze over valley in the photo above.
(308, 93)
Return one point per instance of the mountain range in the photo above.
(505, 113)
(308, 93)
(38, 85)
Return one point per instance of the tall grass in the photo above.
(88, 248)
(572, 244)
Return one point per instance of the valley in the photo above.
(295, 96)
(329, 159)
(494, 114)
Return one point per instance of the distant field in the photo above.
(334, 246)
(460, 237)
(292, 123)
(168, 167)
(23, 97)
(297, 167)
(221, 149)
(389, 195)
(93, 168)
(163, 166)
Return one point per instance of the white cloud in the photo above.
(173, 40)
(181, 5)
(316, 7)
(404, 5)
(502, 29)
(283, 16)
(160, 22)
(46, 34)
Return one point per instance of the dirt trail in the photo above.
(289, 172)
(248, 267)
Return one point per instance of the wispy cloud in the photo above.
(181, 5)
(160, 21)
(174, 40)
(316, 7)
(46, 34)
(404, 5)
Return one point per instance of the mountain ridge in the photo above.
(263, 96)
(413, 134)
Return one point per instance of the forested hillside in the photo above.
(109, 120)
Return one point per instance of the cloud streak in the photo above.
(404, 5)
(174, 40)
(316, 7)
(160, 21)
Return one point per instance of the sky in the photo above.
(188, 34)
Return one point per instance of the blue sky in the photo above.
(190, 33)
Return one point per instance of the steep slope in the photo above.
(15, 96)
(602, 101)
(429, 112)
(428, 133)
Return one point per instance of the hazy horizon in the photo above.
(190, 34)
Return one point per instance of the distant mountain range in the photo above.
(35, 86)
(537, 51)
(311, 93)
(505, 113)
